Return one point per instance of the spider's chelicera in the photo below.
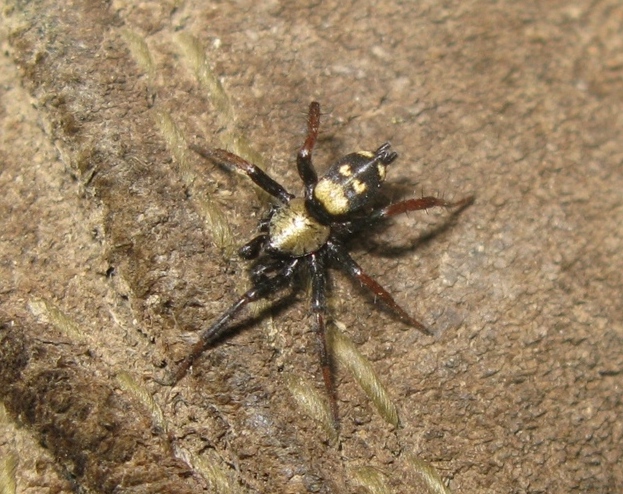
(309, 234)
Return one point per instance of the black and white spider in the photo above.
(309, 234)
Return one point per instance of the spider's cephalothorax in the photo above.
(309, 233)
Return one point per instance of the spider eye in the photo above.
(351, 182)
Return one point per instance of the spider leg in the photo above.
(348, 264)
(218, 327)
(304, 158)
(259, 177)
(418, 205)
(319, 309)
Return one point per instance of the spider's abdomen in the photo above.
(294, 232)
(351, 182)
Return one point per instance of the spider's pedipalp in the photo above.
(252, 249)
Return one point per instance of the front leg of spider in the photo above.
(262, 289)
(310, 232)
(251, 250)
(318, 276)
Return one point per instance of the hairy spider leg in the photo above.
(304, 158)
(261, 290)
(259, 177)
(418, 205)
(318, 274)
(348, 264)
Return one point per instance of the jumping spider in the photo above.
(309, 234)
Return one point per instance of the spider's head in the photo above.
(352, 182)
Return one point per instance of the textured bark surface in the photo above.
(107, 258)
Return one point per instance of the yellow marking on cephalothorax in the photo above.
(294, 232)
(365, 154)
(359, 186)
(346, 170)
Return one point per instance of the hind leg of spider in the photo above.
(348, 264)
(304, 158)
(211, 334)
(319, 310)
(259, 177)
(418, 205)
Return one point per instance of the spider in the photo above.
(309, 233)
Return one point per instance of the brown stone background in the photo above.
(107, 259)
